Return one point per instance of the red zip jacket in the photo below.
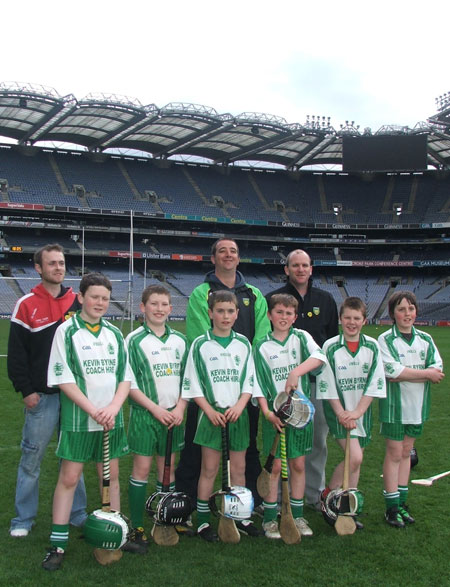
(35, 319)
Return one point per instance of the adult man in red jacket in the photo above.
(35, 319)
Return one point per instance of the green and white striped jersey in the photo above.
(219, 373)
(157, 364)
(407, 402)
(274, 360)
(95, 362)
(350, 376)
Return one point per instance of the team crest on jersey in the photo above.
(365, 368)
(323, 386)
(69, 315)
(251, 381)
(237, 360)
(177, 354)
(186, 383)
(389, 368)
(58, 369)
(380, 383)
(422, 355)
(316, 311)
(294, 354)
(246, 301)
(110, 349)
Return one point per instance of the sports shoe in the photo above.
(53, 559)
(137, 542)
(19, 532)
(394, 518)
(206, 532)
(185, 528)
(248, 528)
(404, 512)
(271, 530)
(302, 527)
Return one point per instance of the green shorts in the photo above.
(211, 436)
(82, 447)
(298, 441)
(399, 431)
(147, 436)
(339, 432)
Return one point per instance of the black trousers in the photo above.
(187, 472)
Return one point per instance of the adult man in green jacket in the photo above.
(252, 322)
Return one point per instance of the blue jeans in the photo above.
(40, 424)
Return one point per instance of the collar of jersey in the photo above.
(399, 334)
(150, 331)
(282, 343)
(224, 341)
(87, 325)
(343, 342)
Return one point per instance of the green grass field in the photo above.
(378, 555)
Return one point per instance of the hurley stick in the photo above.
(288, 530)
(263, 481)
(103, 556)
(163, 534)
(227, 528)
(430, 480)
(345, 524)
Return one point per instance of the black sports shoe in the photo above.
(404, 512)
(394, 518)
(206, 532)
(137, 542)
(249, 529)
(53, 559)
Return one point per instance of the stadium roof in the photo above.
(32, 115)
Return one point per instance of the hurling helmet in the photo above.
(106, 529)
(172, 508)
(237, 504)
(331, 504)
(293, 408)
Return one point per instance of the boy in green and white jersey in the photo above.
(355, 377)
(88, 362)
(411, 362)
(281, 358)
(219, 377)
(157, 356)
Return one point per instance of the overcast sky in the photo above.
(372, 63)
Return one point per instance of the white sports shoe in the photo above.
(302, 526)
(271, 530)
(19, 532)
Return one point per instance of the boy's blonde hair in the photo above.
(285, 300)
(221, 295)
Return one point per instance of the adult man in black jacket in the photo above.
(318, 315)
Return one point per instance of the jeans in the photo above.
(39, 426)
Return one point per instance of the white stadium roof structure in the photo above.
(37, 115)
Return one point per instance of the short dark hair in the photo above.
(292, 253)
(353, 303)
(285, 300)
(155, 289)
(221, 295)
(37, 257)
(94, 279)
(396, 299)
(219, 240)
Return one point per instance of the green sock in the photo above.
(297, 508)
(60, 535)
(391, 499)
(270, 511)
(403, 490)
(158, 486)
(203, 512)
(137, 494)
(172, 486)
